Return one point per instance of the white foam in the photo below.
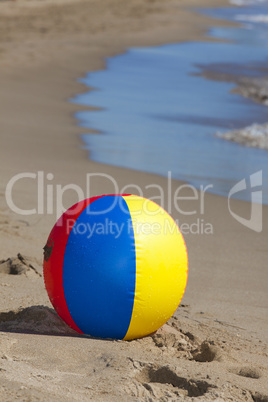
(246, 2)
(263, 18)
(255, 135)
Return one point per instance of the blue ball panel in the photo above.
(99, 269)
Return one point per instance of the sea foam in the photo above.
(255, 135)
(246, 2)
(263, 18)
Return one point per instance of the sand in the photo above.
(214, 347)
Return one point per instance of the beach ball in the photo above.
(115, 266)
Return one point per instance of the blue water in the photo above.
(157, 115)
(250, 34)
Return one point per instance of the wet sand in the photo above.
(215, 345)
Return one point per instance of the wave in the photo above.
(246, 2)
(255, 136)
(263, 18)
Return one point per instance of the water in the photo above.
(157, 115)
(253, 32)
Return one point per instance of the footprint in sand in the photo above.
(186, 345)
(206, 352)
(19, 265)
(249, 372)
(258, 397)
(163, 380)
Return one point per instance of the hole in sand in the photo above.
(257, 397)
(165, 375)
(250, 372)
(206, 353)
(18, 265)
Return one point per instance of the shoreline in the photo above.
(224, 308)
(51, 77)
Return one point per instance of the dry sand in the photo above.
(214, 348)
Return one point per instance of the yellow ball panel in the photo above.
(161, 266)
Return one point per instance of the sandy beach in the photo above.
(215, 345)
